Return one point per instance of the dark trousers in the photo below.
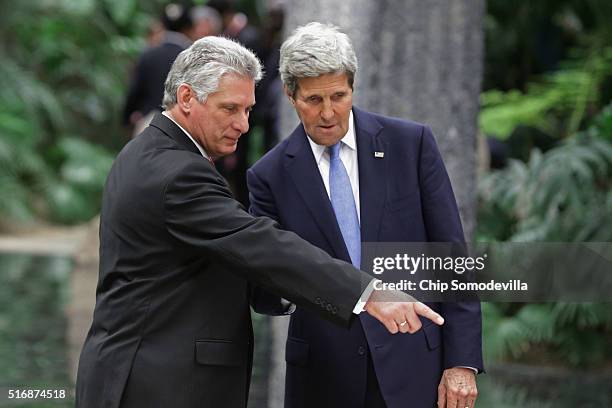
(373, 397)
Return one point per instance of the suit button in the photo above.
(361, 350)
(318, 301)
(329, 307)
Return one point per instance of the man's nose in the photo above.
(327, 112)
(242, 124)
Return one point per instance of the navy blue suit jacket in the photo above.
(406, 196)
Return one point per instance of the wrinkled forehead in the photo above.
(236, 87)
(323, 84)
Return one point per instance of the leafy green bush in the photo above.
(603, 124)
(557, 104)
(572, 334)
(77, 195)
(62, 83)
(561, 195)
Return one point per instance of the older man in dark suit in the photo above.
(343, 177)
(172, 325)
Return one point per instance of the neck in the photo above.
(180, 120)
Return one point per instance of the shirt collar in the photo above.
(348, 139)
(200, 148)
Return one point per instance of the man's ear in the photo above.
(289, 96)
(184, 96)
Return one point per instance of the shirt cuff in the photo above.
(363, 299)
(287, 307)
(470, 368)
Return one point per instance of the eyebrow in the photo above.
(234, 104)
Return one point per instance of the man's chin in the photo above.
(326, 139)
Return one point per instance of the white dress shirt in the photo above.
(348, 155)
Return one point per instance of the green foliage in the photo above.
(603, 124)
(62, 83)
(573, 334)
(82, 174)
(561, 195)
(33, 293)
(556, 105)
(491, 394)
(526, 38)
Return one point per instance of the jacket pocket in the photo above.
(221, 353)
(297, 351)
(432, 336)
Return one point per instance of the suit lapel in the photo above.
(302, 168)
(171, 129)
(372, 173)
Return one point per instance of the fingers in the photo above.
(427, 312)
(380, 311)
(401, 316)
(413, 321)
(462, 398)
(391, 325)
(472, 394)
(457, 388)
(462, 395)
(441, 396)
(404, 327)
(471, 398)
(451, 400)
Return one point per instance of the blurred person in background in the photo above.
(269, 93)
(155, 33)
(181, 25)
(146, 87)
(265, 43)
(206, 21)
(236, 25)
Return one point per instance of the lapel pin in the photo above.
(379, 155)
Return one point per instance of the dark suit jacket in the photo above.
(171, 325)
(404, 197)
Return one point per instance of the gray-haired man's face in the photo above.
(218, 123)
(324, 105)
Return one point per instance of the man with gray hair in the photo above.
(347, 176)
(172, 326)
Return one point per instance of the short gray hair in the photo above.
(316, 49)
(202, 65)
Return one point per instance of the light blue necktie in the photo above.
(343, 203)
